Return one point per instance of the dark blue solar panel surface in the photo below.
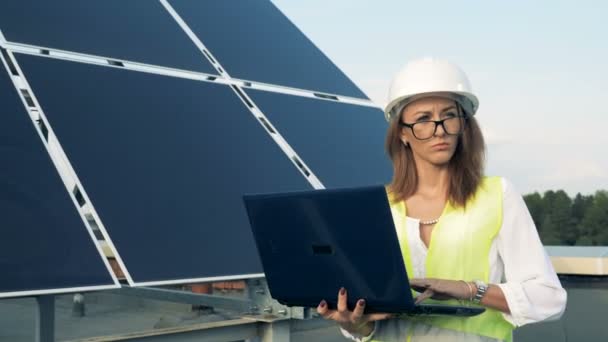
(140, 31)
(45, 244)
(343, 144)
(253, 40)
(165, 162)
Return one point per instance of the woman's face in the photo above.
(437, 148)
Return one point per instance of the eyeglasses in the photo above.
(424, 130)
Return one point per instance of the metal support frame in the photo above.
(45, 319)
(263, 304)
(224, 331)
(263, 319)
(278, 331)
(225, 302)
(259, 305)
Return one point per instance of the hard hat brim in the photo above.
(468, 101)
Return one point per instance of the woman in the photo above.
(464, 237)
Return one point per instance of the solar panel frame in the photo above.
(45, 147)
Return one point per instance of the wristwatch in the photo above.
(481, 291)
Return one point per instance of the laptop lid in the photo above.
(311, 243)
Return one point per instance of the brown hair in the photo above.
(465, 167)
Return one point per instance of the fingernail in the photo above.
(323, 303)
(361, 302)
(342, 291)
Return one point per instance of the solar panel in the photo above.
(45, 246)
(139, 31)
(343, 144)
(164, 162)
(254, 41)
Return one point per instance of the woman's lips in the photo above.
(441, 146)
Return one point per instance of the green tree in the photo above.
(561, 216)
(580, 204)
(584, 240)
(561, 220)
(595, 221)
(548, 200)
(534, 202)
(548, 232)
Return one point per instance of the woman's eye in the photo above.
(450, 115)
(422, 118)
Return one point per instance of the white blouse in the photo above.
(519, 265)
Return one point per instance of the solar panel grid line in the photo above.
(65, 169)
(195, 40)
(63, 290)
(107, 61)
(194, 75)
(32, 108)
(307, 93)
(96, 59)
(54, 53)
(43, 140)
(293, 156)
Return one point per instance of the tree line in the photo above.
(561, 220)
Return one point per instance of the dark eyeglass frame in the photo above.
(437, 123)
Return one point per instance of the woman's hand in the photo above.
(352, 321)
(442, 289)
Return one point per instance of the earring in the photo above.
(405, 143)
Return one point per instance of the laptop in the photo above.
(312, 243)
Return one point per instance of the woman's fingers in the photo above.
(442, 288)
(349, 317)
(342, 307)
(358, 311)
(428, 293)
(377, 316)
(323, 310)
(419, 288)
(420, 282)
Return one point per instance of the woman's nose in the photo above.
(439, 131)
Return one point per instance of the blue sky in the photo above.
(539, 68)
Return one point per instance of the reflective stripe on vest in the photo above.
(459, 250)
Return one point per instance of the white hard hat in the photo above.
(430, 77)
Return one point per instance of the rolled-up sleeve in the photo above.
(531, 288)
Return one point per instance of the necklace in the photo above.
(429, 222)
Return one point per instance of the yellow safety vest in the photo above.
(459, 250)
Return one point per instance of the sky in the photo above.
(539, 68)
